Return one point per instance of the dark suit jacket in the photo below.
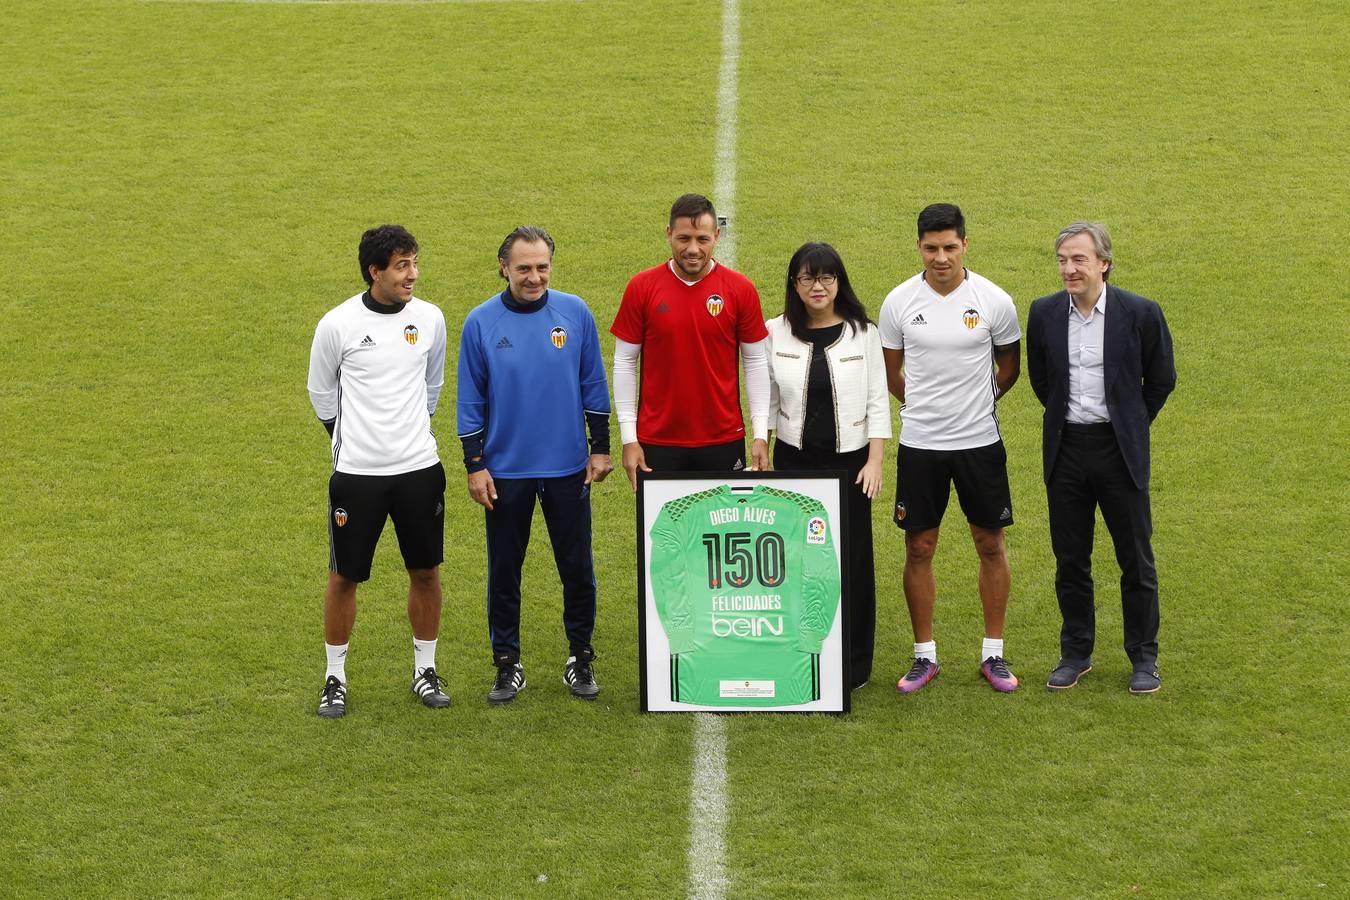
(1137, 364)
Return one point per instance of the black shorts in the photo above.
(924, 479)
(729, 457)
(358, 506)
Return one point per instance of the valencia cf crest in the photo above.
(971, 318)
(410, 335)
(715, 304)
(558, 336)
(340, 516)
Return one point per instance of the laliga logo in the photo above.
(715, 304)
(410, 335)
(815, 530)
(745, 626)
(971, 317)
(558, 336)
(340, 516)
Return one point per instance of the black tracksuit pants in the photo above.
(566, 503)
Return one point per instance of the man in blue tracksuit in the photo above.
(531, 382)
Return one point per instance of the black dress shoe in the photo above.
(1145, 681)
(1066, 674)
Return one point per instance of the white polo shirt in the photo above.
(949, 359)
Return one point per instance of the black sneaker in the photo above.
(578, 677)
(510, 681)
(427, 685)
(333, 700)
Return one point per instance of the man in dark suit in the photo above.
(1100, 361)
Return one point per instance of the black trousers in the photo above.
(861, 599)
(566, 503)
(1090, 473)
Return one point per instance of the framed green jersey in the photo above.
(741, 595)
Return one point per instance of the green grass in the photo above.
(181, 190)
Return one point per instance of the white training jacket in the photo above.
(862, 407)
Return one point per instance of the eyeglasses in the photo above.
(807, 280)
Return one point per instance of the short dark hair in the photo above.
(942, 217)
(530, 234)
(379, 244)
(821, 259)
(693, 207)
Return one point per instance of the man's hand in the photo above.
(759, 456)
(481, 488)
(634, 459)
(598, 467)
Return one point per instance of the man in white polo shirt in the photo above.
(951, 343)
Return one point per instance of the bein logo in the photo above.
(748, 626)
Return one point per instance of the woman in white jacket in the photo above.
(829, 407)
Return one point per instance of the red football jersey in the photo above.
(690, 391)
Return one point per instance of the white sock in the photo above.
(424, 656)
(991, 647)
(926, 651)
(337, 661)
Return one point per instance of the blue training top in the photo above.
(528, 374)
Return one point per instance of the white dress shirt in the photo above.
(1087, 381)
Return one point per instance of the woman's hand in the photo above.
(870, 478)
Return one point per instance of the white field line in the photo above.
(724, 169)
(708, 809)
(708, 784)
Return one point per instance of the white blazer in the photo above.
(862, 407)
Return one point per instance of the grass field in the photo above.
(182, 186)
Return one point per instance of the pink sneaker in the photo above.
(995, 671)
(919, 674)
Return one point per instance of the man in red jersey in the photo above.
(689, 319)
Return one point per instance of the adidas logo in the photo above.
(918, 320)
(367, 342)
(1006, 514)
(663, 308)
(503, 343)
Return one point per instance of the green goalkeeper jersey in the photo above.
(746, 585)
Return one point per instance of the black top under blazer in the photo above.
(1137, 365)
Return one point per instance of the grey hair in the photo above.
(530, 234)
(1101, 241)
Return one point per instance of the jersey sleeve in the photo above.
(594, 386)
(673, 605)
(1003, 329)
(325, 358)
(471, 402)
(820, 579)
(888, 323)
(436, 365)
(750, 315)
(630, 323)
